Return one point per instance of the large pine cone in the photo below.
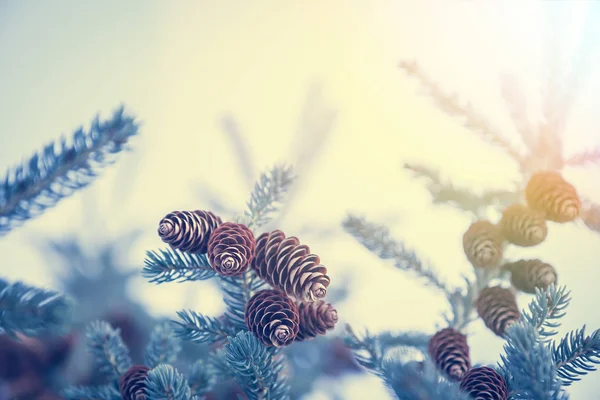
(231, 249)
(288, 266)
(316, 318)
(484, 383)
(132, 383)
(188, 231)
(549, 193)
(498, 309)
(527, 275)
(483, 244)
(272, 317)
(450, 351)
(523, 226)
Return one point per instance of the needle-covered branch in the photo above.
(576, 355)
(106, 345)
(163, 346)
(175, 266)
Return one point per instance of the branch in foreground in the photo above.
(104, 392)
(32, 311)
(377, 239)
(110, 353)
(62, 168)
(576, 355)
(176, 266)
(546, 309)
(516, 102)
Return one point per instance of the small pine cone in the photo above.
(450, 351)
(188, 231)
(482, 244)
(316, 318)
(523, 226)
(288, 266)
(527, 275)
(549, 193)
(272, 317)
(231, 249)
(132, 383)
(498, 308)
(484, 383)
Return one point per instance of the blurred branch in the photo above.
(104, 392)
(198, 328)
(110, 353)
(163, 346)
(230, 127)
(576, 355)
(516, 102)
(585, 157)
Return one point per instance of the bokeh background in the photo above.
(311, 83)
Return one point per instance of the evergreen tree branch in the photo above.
(451, 105)
(516, 103)
(378, 240)
(237, 291)
(62, 168)
(32, 311)
(546, 309)
(163, 346)
(576, 355)
(104, 392)
(176, 266)
(165, 383)
(234, 134)
(105, 344)
(198, 328)
(254, 368)
(368, 351)
(591, 156)
(200, 378)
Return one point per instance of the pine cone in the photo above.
(482, 244)
(527, 275)
(522, 226)
(132, 383)
(272, 317)
(316, 318)
(484, 383)
(231, 249)
(188, 231)
(549, 193)
(450, 351)
(498, 308)
(288, 266)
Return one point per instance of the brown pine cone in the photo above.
(272, 317)
(288, 266)
(523, 226)
(484, 383)
(132, 383)
(549, 193)
(498, 308)
(316, 318)
(450, 351)
(482, 244)
(231, 249)
(188, 231)
(527, 275)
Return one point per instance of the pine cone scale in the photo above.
(231, 249)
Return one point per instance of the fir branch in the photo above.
(254, 368)
(591, 156)
(163, 346)
(546, 309)
(200, 378)
(451, 105)
(176, 266)
(377, 239)
(165, 383)
(267, 196)
(104, 392)
(198, 328)
(237, 291)
(576, 355)
(32, 311)
(516, 103)
(62, 168)
(105, 344)
(232, 131)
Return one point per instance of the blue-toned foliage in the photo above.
(32, 311)
(200, 378)
(164, 382)
(62, 168)
(546, 309)
(163, 346)
(198, 328)
(254, 368)
(576, 355)
(237, 290)
(103, 392)
(110, 353)
(175, 266)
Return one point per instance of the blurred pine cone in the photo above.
(188, 231)
(498, 308)
(288, 266)
(482, 244)
(316, 318)
(450, 352)
(527, 275)
(231, 249)
(549, 193)
(484, 383)
(132, 383)
(272, 317)
(523, 226)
